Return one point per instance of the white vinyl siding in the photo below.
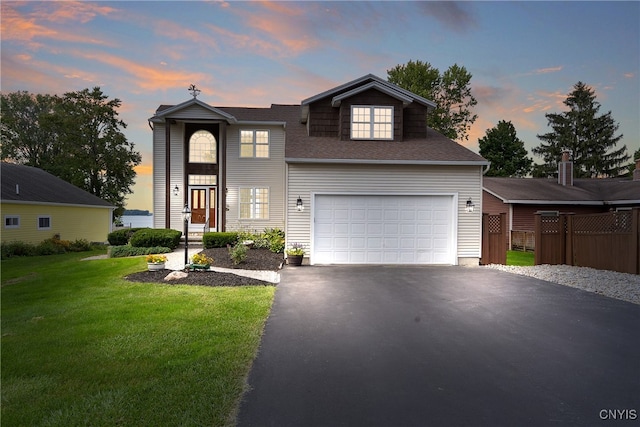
(256, 173)
(175, 177)
(463, 182)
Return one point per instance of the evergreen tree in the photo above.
(506, 152)
(590, 137)
(451, 92)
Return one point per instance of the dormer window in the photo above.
(371, 122)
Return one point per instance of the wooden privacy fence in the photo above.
(606, 241)
(494, 239)
(523, 241)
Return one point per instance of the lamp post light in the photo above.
(186, 214)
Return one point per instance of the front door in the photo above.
(203, 209)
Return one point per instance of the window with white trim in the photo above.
(11, 221)
(371, 122)
(202, 180)
(254, 143)
(202, 147)
(254, 203)
(44, 223)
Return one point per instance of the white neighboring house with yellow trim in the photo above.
(36, 205)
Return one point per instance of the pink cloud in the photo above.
(76, 11)
(548, 70)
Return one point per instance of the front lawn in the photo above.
(83, 346)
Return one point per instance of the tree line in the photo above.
(77, 137)
(589, 136)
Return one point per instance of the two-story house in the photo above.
(353, 173)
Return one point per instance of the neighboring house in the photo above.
(37, 205)
(353, 173)
(521, 198)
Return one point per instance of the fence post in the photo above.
(569, 240)
(485, 238)
(635, 237)
(538, 239)
(503, 240)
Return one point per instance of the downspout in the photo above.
(167, 169)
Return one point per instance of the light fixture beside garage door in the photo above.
(299, 205)
(470, 205)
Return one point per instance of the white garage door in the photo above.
(369, 229)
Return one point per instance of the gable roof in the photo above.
(165, 111)
(26, 184)
(548, 191)
(362, 84)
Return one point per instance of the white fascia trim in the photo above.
(158, 118)
(621, 202)
(387, 162)
(74, 205)
(261, 123)
(406, 100)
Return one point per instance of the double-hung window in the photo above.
(371, 122)
(254, 203)
(11, 221)
(254, 143)
(44, 223)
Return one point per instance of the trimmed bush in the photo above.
(219, 239)
(148, 237)
(128, 250)
(79, 245)
(121, 237)
(14, 249)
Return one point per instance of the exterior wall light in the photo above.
(299, 205)
(470, 205)
(176, 190)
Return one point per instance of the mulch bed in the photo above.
(257, 259)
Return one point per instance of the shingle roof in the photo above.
(299, 147)
(436, 148)
(583, 191)
(28, 184)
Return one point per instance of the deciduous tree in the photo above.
(451, 91)
(77, 137)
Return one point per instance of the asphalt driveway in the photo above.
(442, 346)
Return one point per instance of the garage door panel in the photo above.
(383, 229)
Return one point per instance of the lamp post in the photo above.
(186, 214)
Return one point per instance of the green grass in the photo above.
(83, 346)
(520, 258)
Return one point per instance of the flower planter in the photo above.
(194, 267)
(155, 266)
(295, 260)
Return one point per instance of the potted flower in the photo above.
(295, 254)
(201, 262)
(156, 262)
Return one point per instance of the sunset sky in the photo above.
(524, 56)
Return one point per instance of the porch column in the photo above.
(167, 177)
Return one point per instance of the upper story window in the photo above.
(202, 147)
(254, 143)
(371, 122)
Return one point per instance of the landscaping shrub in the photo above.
(79, 245)
(219, 239)
(14, 249)
(148, 237)
(121, 237)
(50, 247)
(275, 238)
(238, 253)
(128, 250)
